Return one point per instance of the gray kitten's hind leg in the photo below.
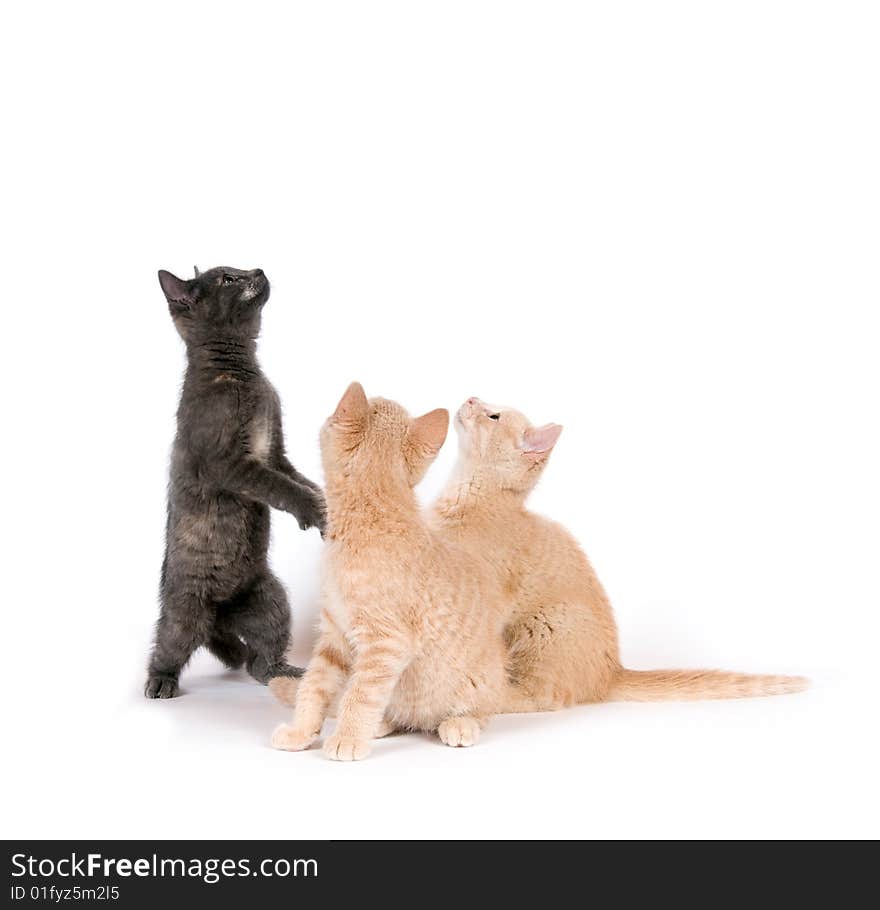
(229, 649)
(262, 618)
(183, 625)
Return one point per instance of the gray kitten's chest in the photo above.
(259, 435)
(222, 423)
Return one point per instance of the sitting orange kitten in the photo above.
(411, 624)
(561, 634)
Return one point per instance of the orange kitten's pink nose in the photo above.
(468, 410)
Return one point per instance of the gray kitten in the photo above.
(227, 467)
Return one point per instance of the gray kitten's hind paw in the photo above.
(262, 671)
(161, 687)
(286, 669)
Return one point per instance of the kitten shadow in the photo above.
(387, 745)
(230, 702)
(230, 705)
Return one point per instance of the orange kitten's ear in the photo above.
(538, 440)
(428, 432)
(353, 405)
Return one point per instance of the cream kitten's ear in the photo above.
(538, 440)
(429, 431)
(353, 405)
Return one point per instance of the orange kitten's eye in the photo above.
(494, 417)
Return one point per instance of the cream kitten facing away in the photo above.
(412, 625)
(561, 633)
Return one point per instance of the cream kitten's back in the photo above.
(561, 633)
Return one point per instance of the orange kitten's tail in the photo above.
(284, 689)
(695, 685)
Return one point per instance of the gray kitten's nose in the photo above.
(258, 273)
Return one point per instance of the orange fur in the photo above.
(411, 627)
(284, 689)
(561, 634)
(692, 685)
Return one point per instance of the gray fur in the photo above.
(227, 467)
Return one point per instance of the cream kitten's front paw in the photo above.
(459, 731)
(290, 739)
(346, 748)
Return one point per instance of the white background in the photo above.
(654, 223)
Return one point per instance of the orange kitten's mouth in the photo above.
(470, 409)
(463, 417)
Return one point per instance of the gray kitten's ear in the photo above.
(175, 290)
(196, 270)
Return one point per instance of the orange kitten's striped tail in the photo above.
(284, 689)
(695, 685)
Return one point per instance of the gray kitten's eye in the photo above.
(229, 279)
(494, 417)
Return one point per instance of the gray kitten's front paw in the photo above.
(161, 687)
(313, 514)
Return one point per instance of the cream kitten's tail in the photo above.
(695, 685)
(284, 689)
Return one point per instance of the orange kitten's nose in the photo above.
(468, 410)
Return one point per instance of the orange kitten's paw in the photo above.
(284, 689)
(459, 731)
(346, 748)
(288, 738)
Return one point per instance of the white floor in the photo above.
(200, 766)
